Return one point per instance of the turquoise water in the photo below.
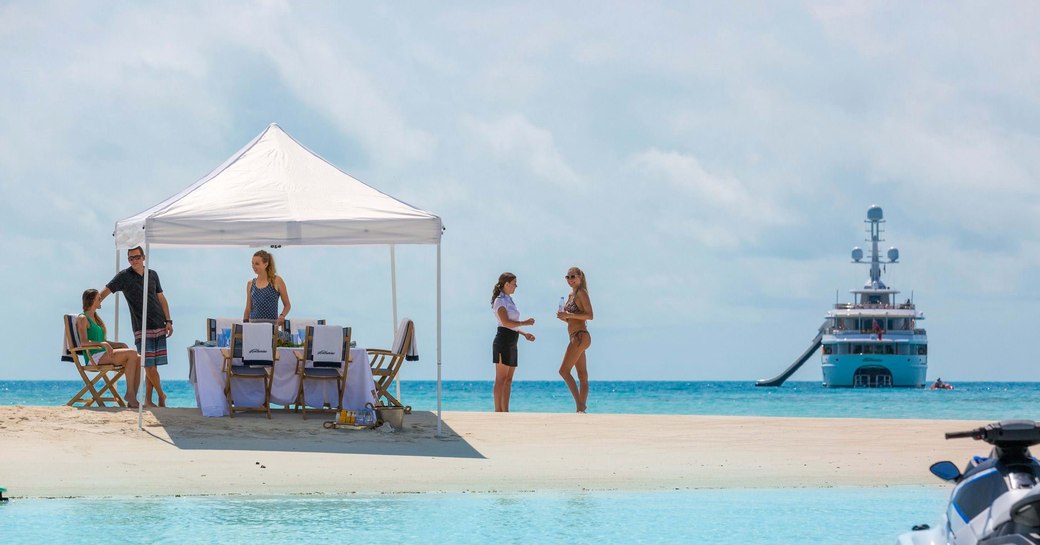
(849, 516)
(969, 401)
(769, 516)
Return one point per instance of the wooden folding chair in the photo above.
(252, 368)
(90, 370)
(216, 325)
(295, 324)
(387, 363)
(322, 370)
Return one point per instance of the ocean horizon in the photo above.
(968, 401)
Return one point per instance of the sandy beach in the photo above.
(68, 452)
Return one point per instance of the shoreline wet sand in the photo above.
(75, 452)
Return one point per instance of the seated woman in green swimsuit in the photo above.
(92, 333)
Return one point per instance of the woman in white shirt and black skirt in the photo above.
(503, 349)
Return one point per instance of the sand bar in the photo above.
(74, 452)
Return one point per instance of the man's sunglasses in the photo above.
(135, 257)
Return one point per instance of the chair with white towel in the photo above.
(296, 324)
(327, 348)
(387, 363)
(216, 325)
(250, 356)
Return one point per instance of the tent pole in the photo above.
(438, 338)
(144, 341)
(393, 296)
(115, 307)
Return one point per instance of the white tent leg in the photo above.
(144, 342)
(115, 306)
(393, 292)
(438, 338)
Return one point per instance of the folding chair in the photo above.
(90, 370)
(387, 363)
(216, 325)
(327, 347)
(295, 324)
(253, 346)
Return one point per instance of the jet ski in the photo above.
(995, 500)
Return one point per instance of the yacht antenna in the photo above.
(875, 217)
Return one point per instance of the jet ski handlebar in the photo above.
(1006, 433)
(974, 434)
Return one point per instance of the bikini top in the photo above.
(571, 306)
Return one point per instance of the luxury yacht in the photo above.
(874, 341)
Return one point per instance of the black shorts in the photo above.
(504, 348)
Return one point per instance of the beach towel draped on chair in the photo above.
(296, 324)
(327, 347)
(250, 356)
(216, 325)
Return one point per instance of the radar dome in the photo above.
(857, 253)
(893, 254)
(874, 213)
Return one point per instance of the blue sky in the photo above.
(708, 165)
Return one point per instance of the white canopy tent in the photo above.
(276, 192)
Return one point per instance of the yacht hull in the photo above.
(874, 370)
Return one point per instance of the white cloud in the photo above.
(708, 162)
(514, 139)
(723, 211)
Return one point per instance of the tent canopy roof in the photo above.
(274, 191)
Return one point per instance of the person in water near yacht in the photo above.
(575, 312)
(503, 349)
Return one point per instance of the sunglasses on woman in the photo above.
(571, 276)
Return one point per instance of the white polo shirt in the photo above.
(505, 301)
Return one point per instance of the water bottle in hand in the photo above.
(560, 308)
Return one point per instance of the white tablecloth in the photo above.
(208, 378)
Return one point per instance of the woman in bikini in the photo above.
(576, 311)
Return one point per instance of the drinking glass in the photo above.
(226, 335)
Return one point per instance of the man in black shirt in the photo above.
(130, 281)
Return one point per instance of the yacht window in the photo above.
(857, 349)
(922, 350)
(889, 349)
(827, 349)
